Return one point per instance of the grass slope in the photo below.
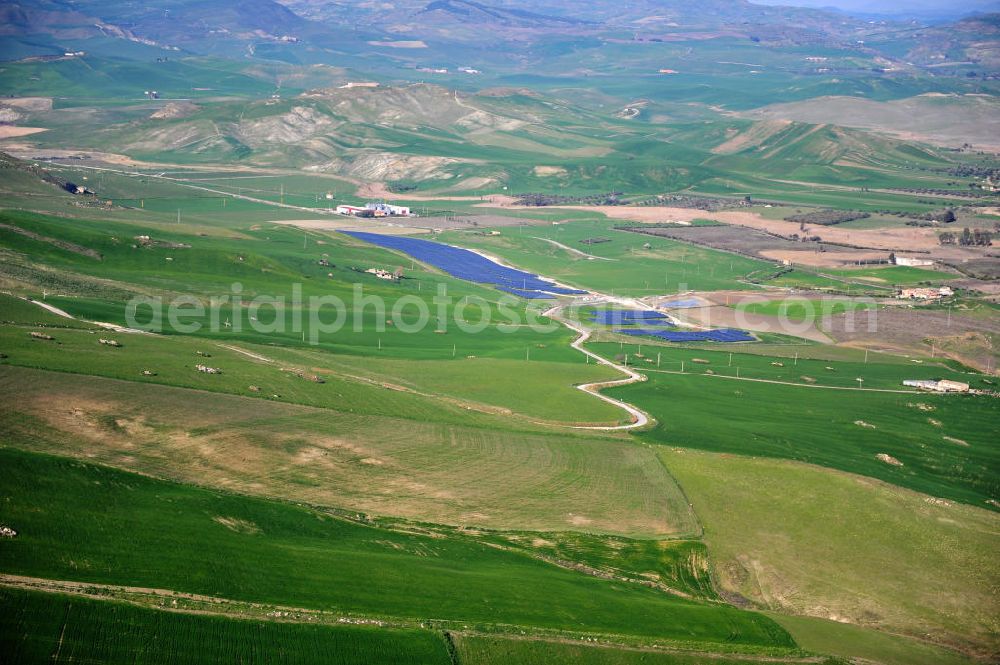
(51, 628)
(943, 442)
(799, 539)
(471, 474)
(849, 641)
(88, 523)
(490, 650)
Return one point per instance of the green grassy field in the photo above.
(428, 389)
(489, 650)
(799, 539)
(626, 267)
(942, 442)
(850, 641)
(481, 472)
(50, 628)
(267, 263)
(813, 365)
(373, 494)
(88, 523)
(804, 310)
(894, 275)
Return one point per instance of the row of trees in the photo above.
(967, 238)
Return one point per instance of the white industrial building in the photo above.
(912, 262)
(377, 209)
(388, 210)
(942, 386)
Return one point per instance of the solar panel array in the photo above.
(683, 304)
(530, 295)
(628, 317)
(720, 335)
(463, 264)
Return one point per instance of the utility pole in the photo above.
(866, 356)
(796, 364)
(657, 359)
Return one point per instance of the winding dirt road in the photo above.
(639, 417)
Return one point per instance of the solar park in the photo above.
(464, 264)
(725, 335)
(468, 265)
(628, 317)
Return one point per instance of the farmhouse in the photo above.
(943, 386)
(382, 274)
(926, 294)
(910, 261)
(387, 210)
(374, 209)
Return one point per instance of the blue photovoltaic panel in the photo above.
(616, 318)
(721, 335)
(530, 295)
(565, 292)
(462, 263)
(682, 304)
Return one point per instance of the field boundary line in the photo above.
(167, 600)
(786, 383)
(572, 250)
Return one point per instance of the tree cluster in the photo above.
(967, 238)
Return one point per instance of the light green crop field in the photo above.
(268, 263)
(798, 278)
(895, 275)
(428, 389)
(804, 310)
(937, 444)
(851, 641)
(481, 472)
(625, 267)
(202, 541)
(43, 627)
(878, 281)
(799, 365)
(800, 539)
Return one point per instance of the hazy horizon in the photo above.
(892, 6)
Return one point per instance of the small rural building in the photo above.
(374, 209)
(926, 293)
(942, 386)
(387, 210)
(382, 274)
(910, 261)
